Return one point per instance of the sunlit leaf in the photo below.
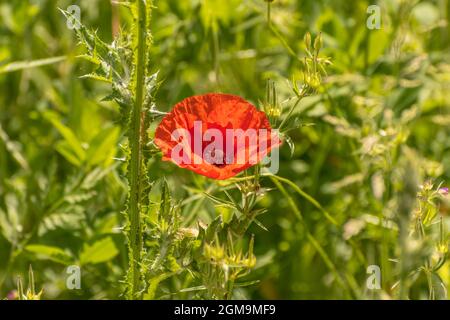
(100, 251)
(51, 253)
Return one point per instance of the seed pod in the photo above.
(308, 41)
(318, 43)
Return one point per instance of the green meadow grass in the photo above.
(362, 173)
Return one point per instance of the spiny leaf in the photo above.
(97, 77)
(259, 224)
(221, 202)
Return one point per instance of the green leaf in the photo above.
(69, 221)
(191, 289)
(153, 285)
(213, 229)
(21, 65)
(246, 284)
(222, 202)
(14, 149)
(259, 224)
(102, 148)
(51, 253)
(68, 153)
(96, 77)
(101, 251)
(73, 144)
(6, 229)
(107, 224)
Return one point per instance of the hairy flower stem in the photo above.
(135, 236)
(290, 112)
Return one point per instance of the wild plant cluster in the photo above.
(363, 178)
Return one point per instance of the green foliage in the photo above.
(100, 251)
(51, 253)
(365, 123)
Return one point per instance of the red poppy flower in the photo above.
(215, 135)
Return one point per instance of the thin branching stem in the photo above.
(327, 260)
(290, 112)
(325, 213)
(313, 201)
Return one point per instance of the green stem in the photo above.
(216, 50)
(310, 199)
(325, 213)
(135, 236)
(290, 112)
(326, 259)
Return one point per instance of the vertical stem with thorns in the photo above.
(135, 237)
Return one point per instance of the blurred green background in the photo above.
(62, 184)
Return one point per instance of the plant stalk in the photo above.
(135, 236)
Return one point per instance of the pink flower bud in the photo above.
(12, 295)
